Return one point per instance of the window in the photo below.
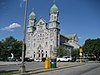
(40, 27)
(54, 17)
(46, 37)
(43, 34)
(39, 51)
(46, 53)
(46, 43)
(34, 54)
(42, 55)
(34, 44)
(28, 53)
(53, 42)
(39, 55)
(40, 35)
(32, 23)
(40, 23)
(42, 50)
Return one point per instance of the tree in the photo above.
(62, 52)
(75, 53)
(92, 47)
(10, 45)
(59, 52)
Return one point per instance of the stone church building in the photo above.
(43, 38)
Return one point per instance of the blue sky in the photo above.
(76, 16)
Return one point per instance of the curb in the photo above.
(52, 69)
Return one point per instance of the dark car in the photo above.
(28, 60)
(83, 60)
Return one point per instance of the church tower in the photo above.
(30, 30)
(54, 30)
(32, 20)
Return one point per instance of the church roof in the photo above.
(32, 15)
(71, 36)
(54, 8)
(67, 44)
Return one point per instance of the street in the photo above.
(87, 69)
(8, 66)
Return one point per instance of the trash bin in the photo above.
(53, 63)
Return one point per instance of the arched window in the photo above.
(39, 54)
(46, 53)
(42, 54)
(34, 54)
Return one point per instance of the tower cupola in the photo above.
(54, 9)
(32, 15)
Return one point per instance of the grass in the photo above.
(9, 72)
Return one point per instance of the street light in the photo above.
(81, 55)
(23, 69)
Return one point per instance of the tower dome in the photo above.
(54, 9)
(32, 15)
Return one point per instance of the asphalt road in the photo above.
(29, 66)
(87, 69)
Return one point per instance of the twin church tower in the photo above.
(42, 41)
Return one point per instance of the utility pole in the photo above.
(23, 68)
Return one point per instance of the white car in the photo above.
(64, 59)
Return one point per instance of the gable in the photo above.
(41, 22)
(41, 25)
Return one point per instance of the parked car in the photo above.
(29, 60)
(83, 60)
(37, 60)
(65, 58)
(43, 59)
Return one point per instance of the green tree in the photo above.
(62, 52)
(92, 47)
(75, 53)
(59, 52)
(10, 45)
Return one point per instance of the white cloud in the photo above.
(79, 37)
(11, 27)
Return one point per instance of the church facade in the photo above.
(42, 40)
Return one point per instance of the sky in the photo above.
(81, 17)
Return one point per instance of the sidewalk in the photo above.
(8, 63)
(59, 66)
